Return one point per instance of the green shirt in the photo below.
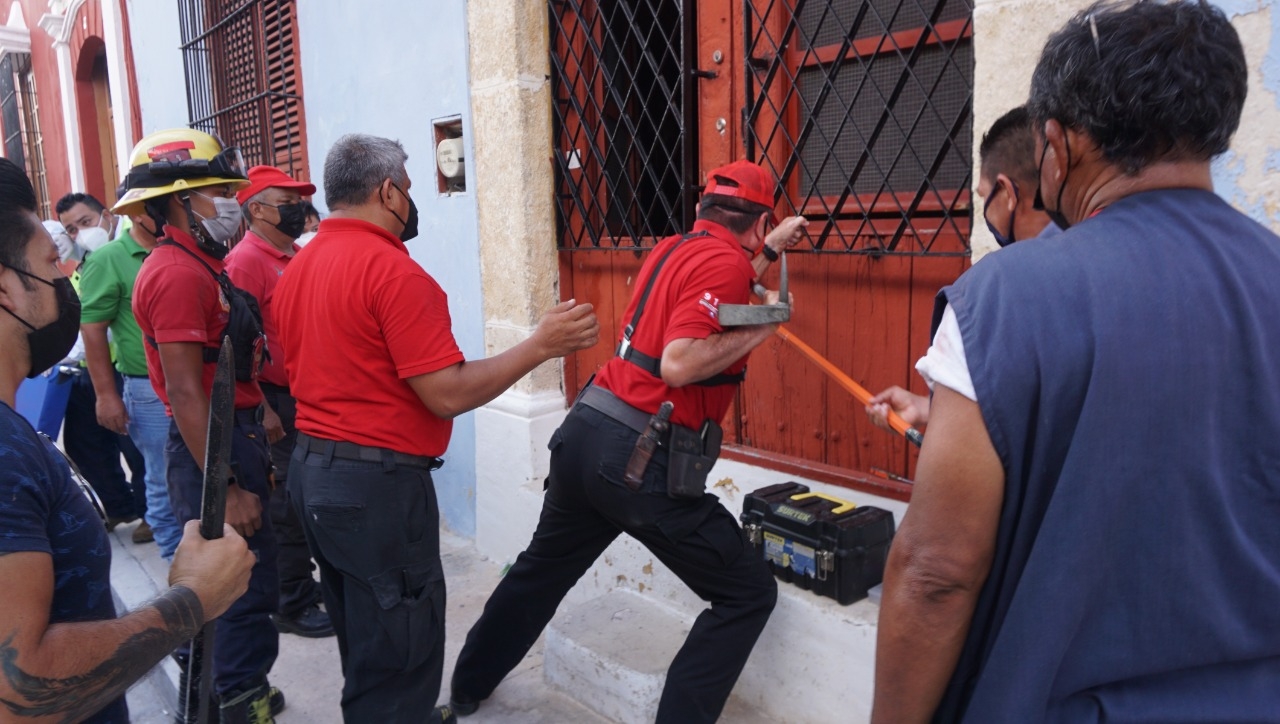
(106, 295)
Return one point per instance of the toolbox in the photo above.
(819, 542)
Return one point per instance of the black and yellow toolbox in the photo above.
(819, 542)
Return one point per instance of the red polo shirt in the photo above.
(685, 303)
(358, 317)
(255, 265)
(175, 299)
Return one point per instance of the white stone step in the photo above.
(611, 654)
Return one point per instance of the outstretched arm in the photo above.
(939, 561)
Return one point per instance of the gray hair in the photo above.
(258, 198)
(359, 163)
(1147, 81)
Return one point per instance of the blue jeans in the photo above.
(149, 430)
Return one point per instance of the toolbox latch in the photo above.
(753, 531)
(826, 561)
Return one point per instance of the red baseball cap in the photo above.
(262, 178)
(743, 180)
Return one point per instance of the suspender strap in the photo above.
(653, 365)
(209, 354)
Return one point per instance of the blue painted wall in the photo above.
(389, 69)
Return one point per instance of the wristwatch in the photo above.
(769, 253)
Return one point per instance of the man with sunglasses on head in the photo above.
(1093, 531)
(66, 656)
(1006, 183)
(185, 182)
(272, 206)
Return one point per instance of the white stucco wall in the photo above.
(157, 62)
(1008, 37)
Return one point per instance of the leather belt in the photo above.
(249, 415)
(604, 401)
(366, 453)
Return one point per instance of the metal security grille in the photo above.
(20, 110)
(625, 160)
(863, 110)
(243, 81)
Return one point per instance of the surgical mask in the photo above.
(410, 230)
(92, 238)
(1055, 215)
(50, 344)
(305, 238)
(222, 227)
(293, 219)
(1001, 239)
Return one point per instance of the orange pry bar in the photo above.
(855, 389)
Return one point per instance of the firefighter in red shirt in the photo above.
(378, 377)
(184, 303)
(272, 206)
(673, 350)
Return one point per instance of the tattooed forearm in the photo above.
(73, 698)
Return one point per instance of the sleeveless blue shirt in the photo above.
(1128, 372)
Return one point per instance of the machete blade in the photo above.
(196, 697)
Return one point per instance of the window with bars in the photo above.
(20, 111)
(244, 82)
(863, 110)
(625, 161)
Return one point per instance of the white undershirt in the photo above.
(944, 363)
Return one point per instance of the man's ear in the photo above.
(1059, 154)
(1012, 195)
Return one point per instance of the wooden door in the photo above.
(863, 113)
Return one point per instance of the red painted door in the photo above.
(862, 111)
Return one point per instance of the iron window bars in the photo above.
(861, 108)
(241, 77)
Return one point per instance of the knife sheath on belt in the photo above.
(646, 444)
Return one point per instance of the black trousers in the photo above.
(374, 529)
(298, 590)
(586, 507)
(96, 451)
(245, 640)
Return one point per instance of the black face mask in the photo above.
(293, 219)
(1055, 215)
(1002, 239)
(50, 344)
(410, 224)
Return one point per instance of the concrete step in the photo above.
(612, 653)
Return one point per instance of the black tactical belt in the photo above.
(365, 453)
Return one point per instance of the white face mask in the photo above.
(92, 239)
(302, 240)
(222, 227)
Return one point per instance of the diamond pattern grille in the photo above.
(622, 114)
(863, 109)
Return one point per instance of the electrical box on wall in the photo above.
(451, 165)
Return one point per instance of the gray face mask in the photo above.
(222, 227)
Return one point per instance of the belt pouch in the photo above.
(691, 455)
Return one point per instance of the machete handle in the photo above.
(858, 391)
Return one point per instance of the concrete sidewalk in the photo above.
(307, 670)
